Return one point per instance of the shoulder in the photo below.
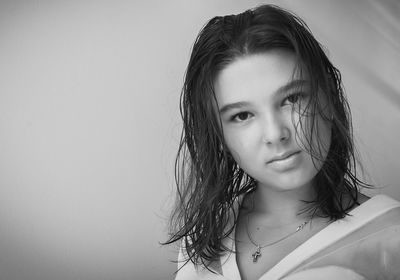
(377, 216)
(381, 202)
(361, 199)
(368, 240)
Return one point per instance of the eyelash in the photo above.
(234, 118)
(298, 95)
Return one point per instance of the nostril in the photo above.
(275, 131)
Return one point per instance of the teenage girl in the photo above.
(266, 159)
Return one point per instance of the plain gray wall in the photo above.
(89, 123)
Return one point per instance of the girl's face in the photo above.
(259, 98)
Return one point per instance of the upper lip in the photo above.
(283, 156)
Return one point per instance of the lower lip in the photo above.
(285, 164)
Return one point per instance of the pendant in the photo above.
(257, 254)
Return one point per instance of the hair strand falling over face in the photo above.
(208, 179)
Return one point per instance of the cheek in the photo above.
(327, 135)
(240, 143)
(322, 139)
(234, 144)
(314, 135)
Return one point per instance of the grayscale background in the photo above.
(89, 123)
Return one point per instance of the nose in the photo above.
(276, 130)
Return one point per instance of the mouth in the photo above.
(283, 157)
(285, 162)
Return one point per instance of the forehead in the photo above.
(253, 75)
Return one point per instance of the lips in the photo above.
(285, 162)
(282, 156)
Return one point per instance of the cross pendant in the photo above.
(257, 254)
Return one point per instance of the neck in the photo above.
(277, 207)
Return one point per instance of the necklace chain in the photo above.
(257, 254)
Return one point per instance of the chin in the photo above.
(290, 182)
(291, 187)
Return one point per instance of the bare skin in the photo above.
(256, 95)
(267, 227)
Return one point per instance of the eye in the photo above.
(294, 97)
(240, 117)
(297, 98)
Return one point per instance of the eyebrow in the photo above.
(284, 88)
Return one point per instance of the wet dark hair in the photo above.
(208, 179)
